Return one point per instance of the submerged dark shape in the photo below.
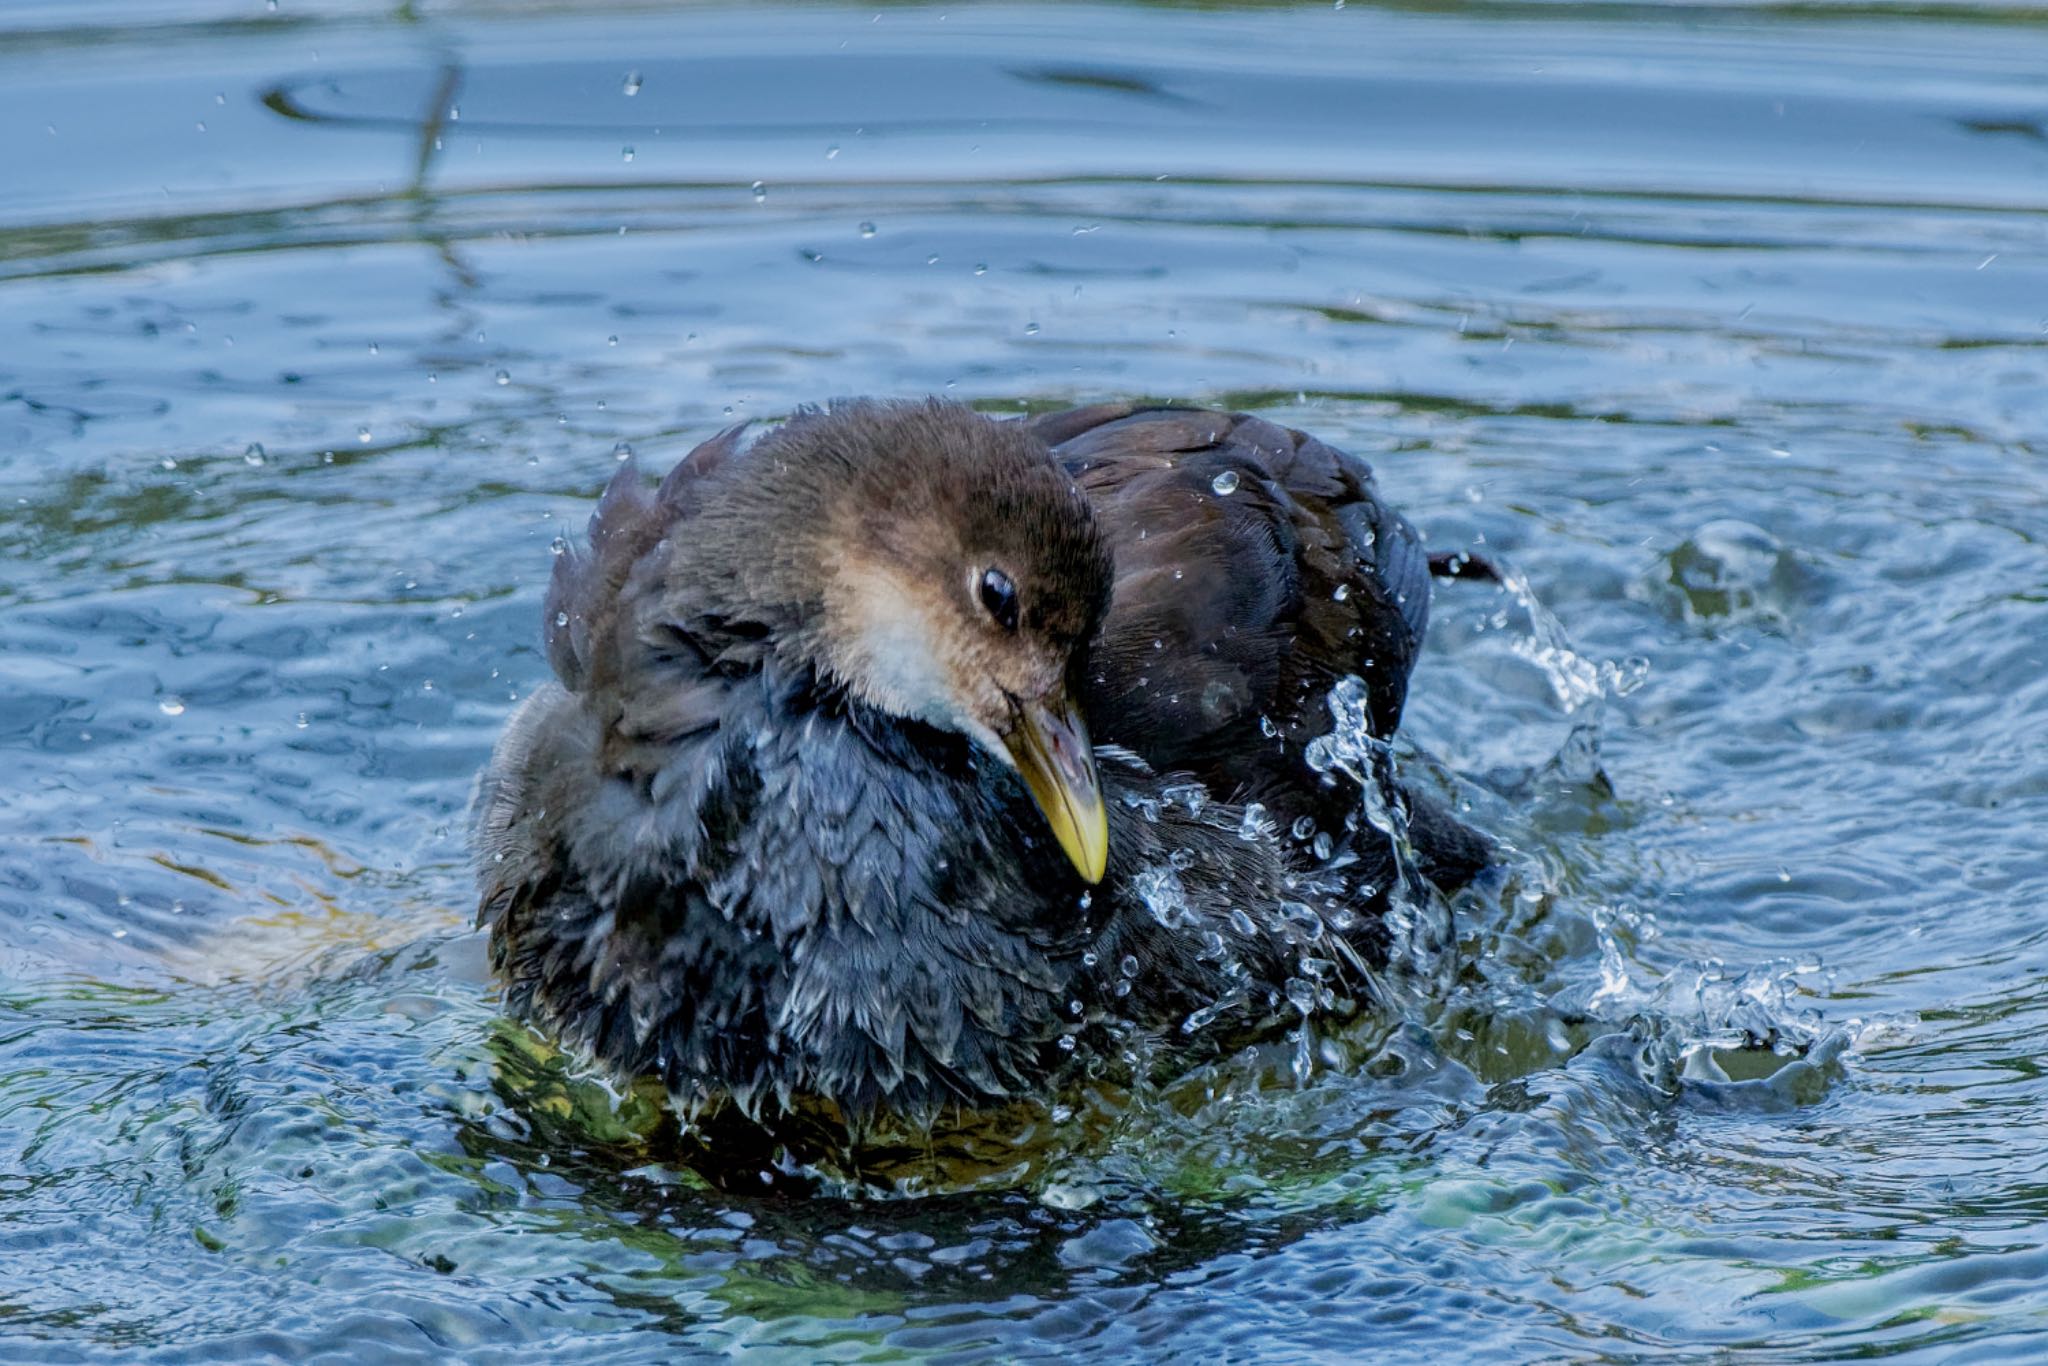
(811, 818)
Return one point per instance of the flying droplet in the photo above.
(625, 154)
(1030, 329)
(363, 435)
(832, 152)
(632, 86)
(623, 451)
(612, 340)
(867, 230)
(1341, 592)
(1225, 483)
(172, 706)
(503, 377)
(253, 455)
(559, 546)
(760, 192)
(561, 618)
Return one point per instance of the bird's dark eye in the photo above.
(999, 597)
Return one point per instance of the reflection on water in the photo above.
(1722, 329)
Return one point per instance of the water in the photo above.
(1724, 326)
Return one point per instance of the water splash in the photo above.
(1576, 680)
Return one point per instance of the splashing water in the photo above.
(1697, 1022)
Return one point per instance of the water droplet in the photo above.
(612, 340)
(363, 435)
(622, 451)
(832, 152)
(1343, 591)
(760, 191)
(1225, 483)
(503, 377)
(166, 462)
(626, 153)
(981, 270)
(201, 126)
(559, 546)
(254, 455)
(561, 618)
(220, 97)
(1030, 329)
(172, 706)
(867, 229)
(632, 85)
(1322, 845)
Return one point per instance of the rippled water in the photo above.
(1726, 326)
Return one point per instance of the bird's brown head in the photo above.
(939, 566)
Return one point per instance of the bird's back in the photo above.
(1255, 567)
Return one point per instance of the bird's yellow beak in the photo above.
(1049, 745)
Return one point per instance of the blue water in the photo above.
(1726, 325)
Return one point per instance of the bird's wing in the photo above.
(648, 674)
(575, 768)
(1255, 565)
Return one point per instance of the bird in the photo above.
(901, 759)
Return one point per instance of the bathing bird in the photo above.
(901, 758)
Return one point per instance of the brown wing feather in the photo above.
(1240, 606)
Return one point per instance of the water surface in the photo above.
(1725, 325)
